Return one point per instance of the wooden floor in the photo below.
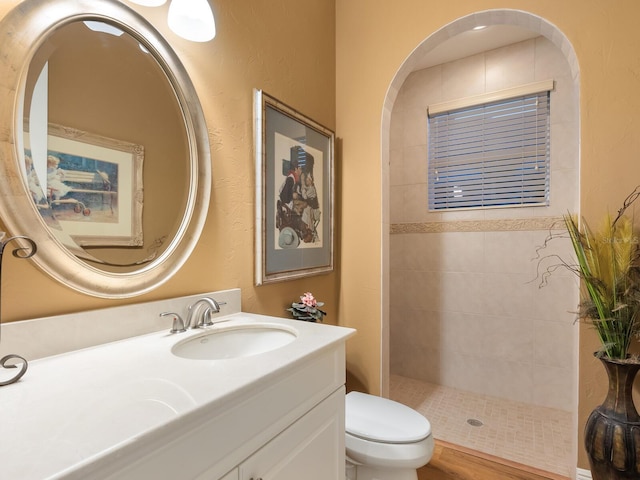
(451, 462)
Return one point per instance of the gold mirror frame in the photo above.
(22, 31)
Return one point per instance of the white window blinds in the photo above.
(491, 155)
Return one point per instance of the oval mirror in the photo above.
(104, 155)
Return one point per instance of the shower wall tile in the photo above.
(459, 215)
(563, 153)
(418, 363)
(397, 248)
(396, 167)
(510, 66)
(467, 310)
(415, 126)
(563, 105)
(420, 289)
(417, 254)
(509, 252)
(553, 344)
(423, 87)
(557, 301)
(510, 213)
(465, 333)
(511, 380)
(460, 251)
(396, 294)
(506, 294)
(562, 200)
(463, 78)
(548, 60)
(396, 129)
(415, 168)
(415, 203)
(396, 204)
(554, 387)
(430, 336)
(507, 339)
(461, 292)
(486, 336)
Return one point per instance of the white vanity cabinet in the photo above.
(133, 410)
(312, 448)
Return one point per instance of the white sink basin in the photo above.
(234, 342)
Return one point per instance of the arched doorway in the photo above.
(437, 258)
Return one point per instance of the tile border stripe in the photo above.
(505, 225)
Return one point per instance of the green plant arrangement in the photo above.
(308, 309)
(608, 264)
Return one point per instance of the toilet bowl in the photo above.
(385, 440)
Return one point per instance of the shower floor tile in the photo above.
(539, 437)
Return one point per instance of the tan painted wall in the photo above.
(285, 48)
(371, 47)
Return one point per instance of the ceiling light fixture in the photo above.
(192, 20)
(480, 27)
(149, 3)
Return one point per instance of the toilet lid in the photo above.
(382, 420)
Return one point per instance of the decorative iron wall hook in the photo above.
(20, 252)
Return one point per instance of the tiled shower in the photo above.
(466, 307)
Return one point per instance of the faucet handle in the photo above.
(217, 304)
(178, 323)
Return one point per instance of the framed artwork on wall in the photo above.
(91, 184)
(294, 193)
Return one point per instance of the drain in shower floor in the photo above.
(474, 423)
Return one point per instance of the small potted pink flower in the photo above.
(307, 309)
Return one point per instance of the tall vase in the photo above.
(612, 432)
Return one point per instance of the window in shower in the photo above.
(491, 150)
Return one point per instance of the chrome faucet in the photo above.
(211, 307)
(178, 323)
(205, 320)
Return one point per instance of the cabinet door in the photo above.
(232, 475)
(312, 448)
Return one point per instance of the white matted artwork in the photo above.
(309, 190)
(294, 194)
(92, 185)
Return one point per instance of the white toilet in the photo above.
(385, 440)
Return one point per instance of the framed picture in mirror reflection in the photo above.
(294, 193)
(89, 185)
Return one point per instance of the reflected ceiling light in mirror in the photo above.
(103, 27)
(192, 20)
(149, 3)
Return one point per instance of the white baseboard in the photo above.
(582, 474)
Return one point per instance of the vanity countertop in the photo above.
(74, 408)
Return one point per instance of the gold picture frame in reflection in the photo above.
(294, 193)
(90, 184)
